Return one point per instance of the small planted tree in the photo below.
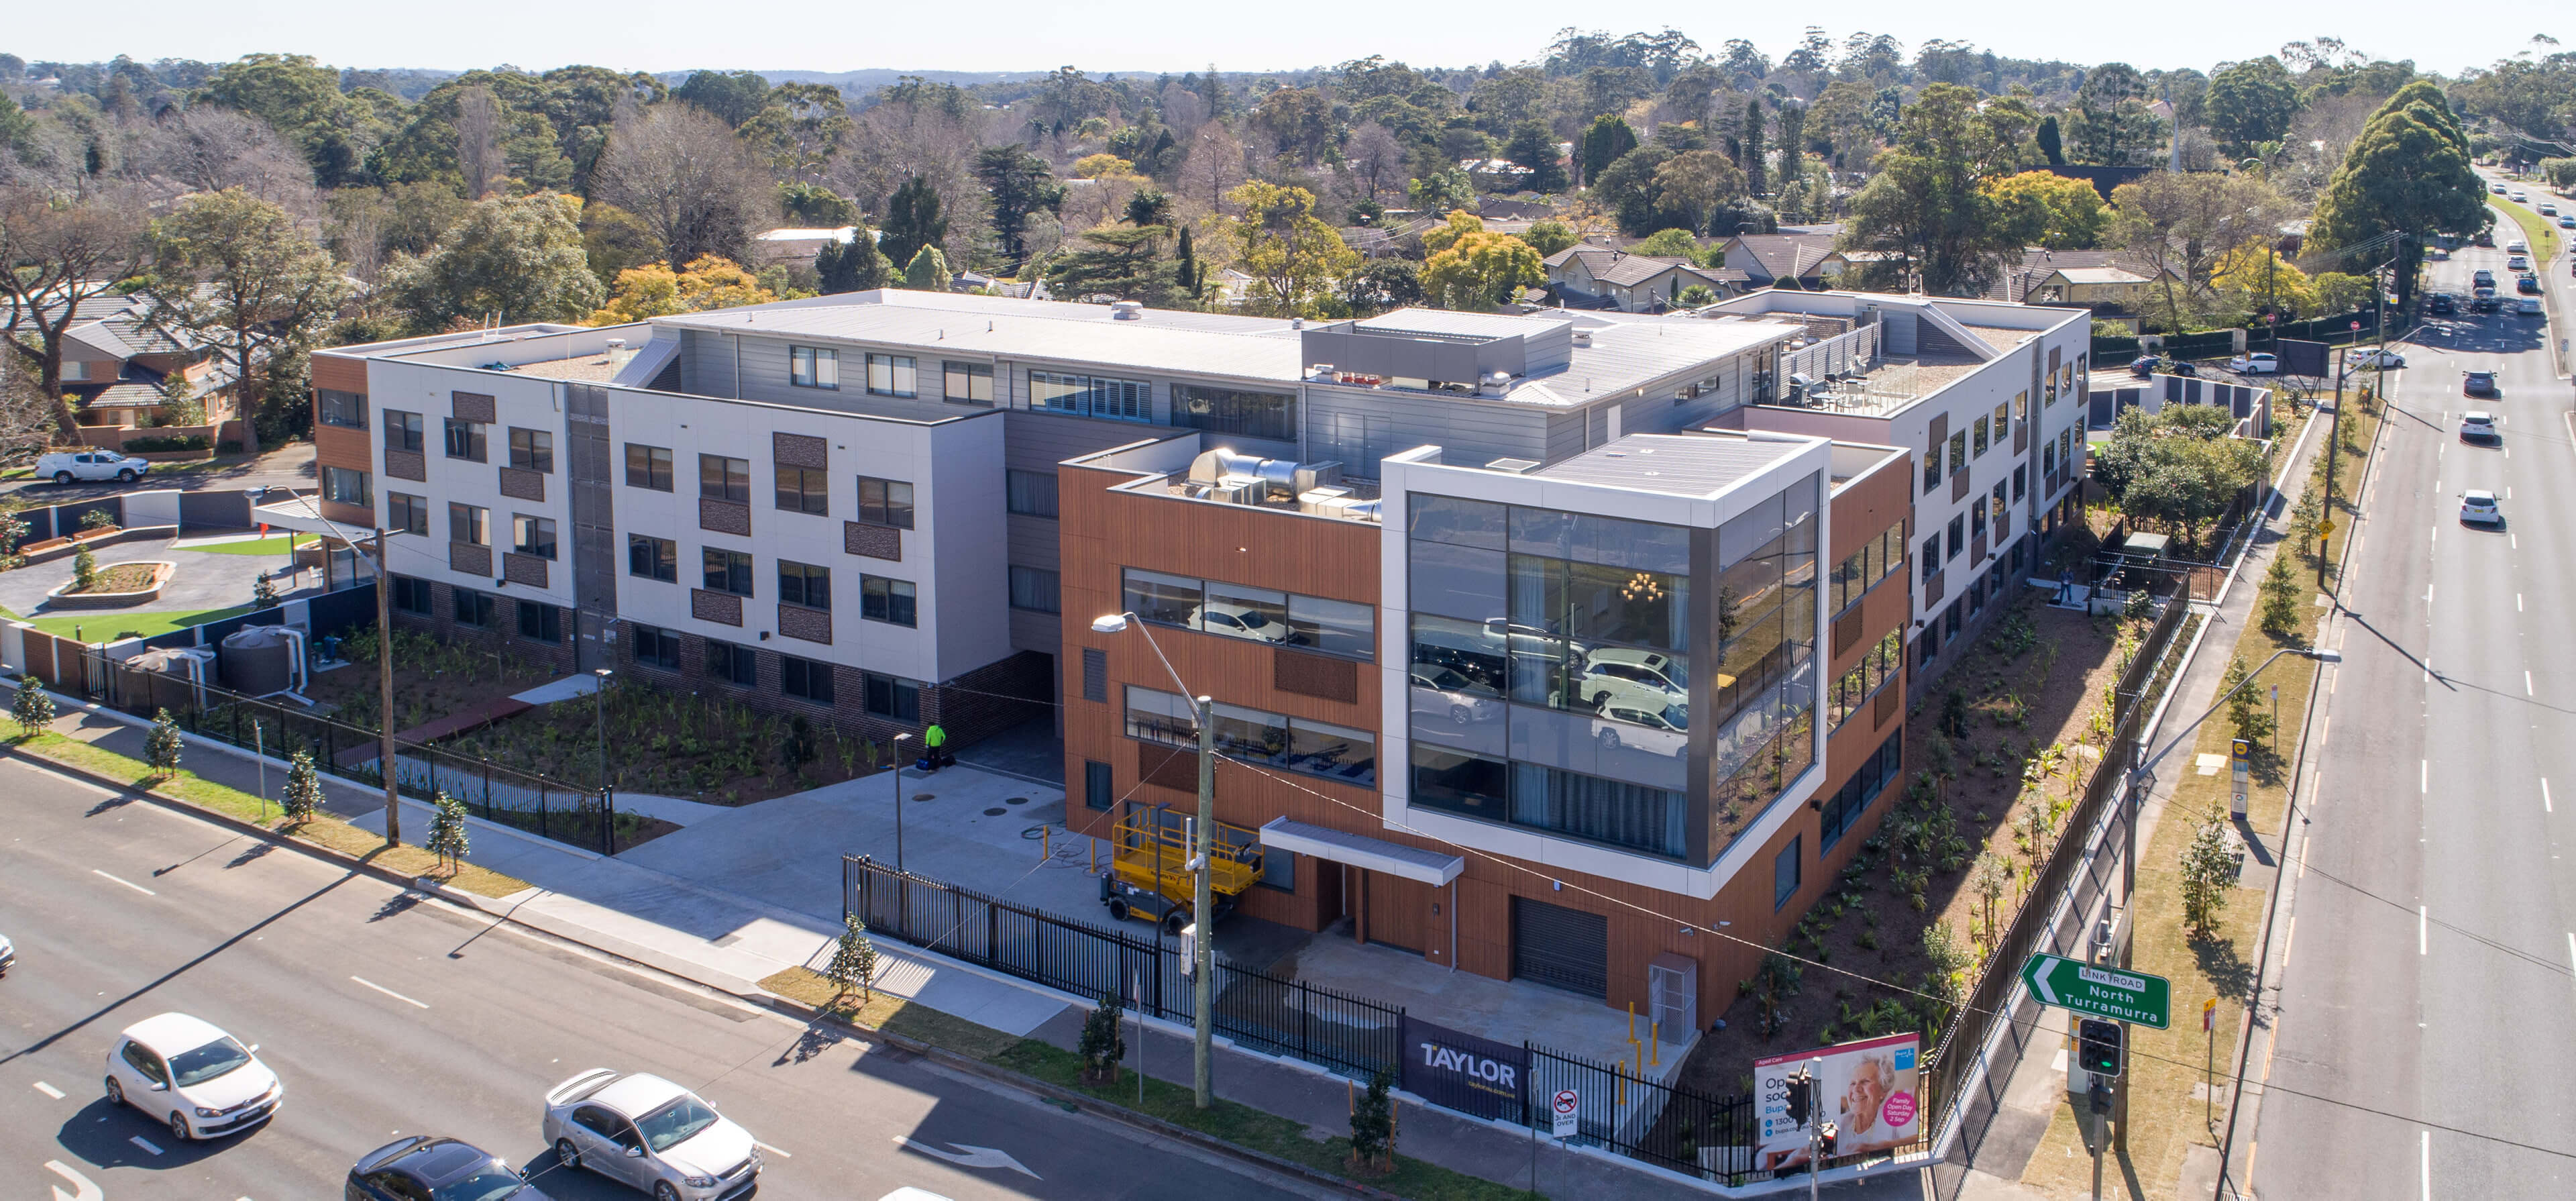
(303, 788)
(447, 831)
(263, 593)
(854, 961)
(2245, 707)
(2280, 604)
(1102, 1045)
(1989, 879)
(161, 747)
(84, 569)
(1373, 1127)
(2209, 870)
(33, 709)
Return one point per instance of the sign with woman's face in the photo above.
(1867, 1089)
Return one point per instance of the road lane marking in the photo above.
(49, 1090)
(2517, 602)
(2545, 806)
(388, 992)
(83, 1190)
(2428, 1165)
(2423, 929)
(128, 883)
(2526, 683)
(2424, 775)
(772, 1150)
(146, 1144)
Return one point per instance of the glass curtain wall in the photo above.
(1763, 696)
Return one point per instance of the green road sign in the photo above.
(2101, 992)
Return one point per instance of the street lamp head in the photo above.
(602, 672)
(2323, 655)
(903, 738)
(1115, 623)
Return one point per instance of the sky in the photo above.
(1029, 35)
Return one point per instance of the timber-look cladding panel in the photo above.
(1315, 675)
(800, 450)
(339, 373)
(472, 406)
(523, 569)
(469, 558)
(1167, 767)
(408, 465)
(872, 541)
(724, 516)
(724, 608)
(519, 483)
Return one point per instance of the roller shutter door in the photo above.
(1560, 947)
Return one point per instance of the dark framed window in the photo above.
(346, 485)
(1099, 787)
(1784, 871)
(472, 608)
(411, 595)
(804, 584)
(1031, 493)
(465, 440)
(966, 383)
(656, 647)
(805, 678)
(727, 570)
(653, 558)
(469, 524)
(1883, 767)
(892, 375)
(733, 663)
(720, 478)
(892, 601)
(893, 697)
(813, 367)
(648, 467)
(1091, 396)
(540, 622)
(1958, 535)
(885, 502)
(407, 514)
(1036, 590)
(348, 410)
(402, 431)
(1271, 415)
(532, 450)
(532, 535)
(804, 490)
(1931, 557)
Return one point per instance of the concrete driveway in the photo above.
(205, 580)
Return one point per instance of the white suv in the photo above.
(65, 466)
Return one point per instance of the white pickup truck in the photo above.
(65, 466)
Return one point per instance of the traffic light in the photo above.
(1825, 1135)
(2098, 1047)
(1799, 1082)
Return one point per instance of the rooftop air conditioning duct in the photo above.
(1514, 466)
(1321, 373)
(1583, 337)
(1495, 384)
(1126, 310)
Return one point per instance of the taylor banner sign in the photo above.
(1463, 1072)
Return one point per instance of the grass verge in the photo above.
(96, 625)
(321, 830)
(274, 547)
(2541, 232)
(1230, 1121)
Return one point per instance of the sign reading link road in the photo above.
(2075, 985)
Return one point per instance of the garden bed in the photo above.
(115, 586)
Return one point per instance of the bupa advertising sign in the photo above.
(1869, 1090)
(1463, 1072)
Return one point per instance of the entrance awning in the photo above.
(302, 514)
(1375, 854)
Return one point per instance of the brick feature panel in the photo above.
(472, 406)
(724, 516)
(1314, 675)
(407, 465)
(810, 625)
(723, 607)
(1847, 631)
(522, 484)
(469, 559)
(523, 569)
(872, 541)
(1932, 590)
(1959, 485)
(1976, 551)
(1168, 767)
(799, 450)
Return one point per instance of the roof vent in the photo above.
(1296, 323)
(1321, 373)
(1513, 466)
(1583, 337)
(1126, 310)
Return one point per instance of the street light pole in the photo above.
(2142, 777)
(600, 725)
(385, 690)
(899, 740)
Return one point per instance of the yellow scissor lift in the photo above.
(1149, 866)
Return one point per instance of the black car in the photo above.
(421, 1168)
(2145, 365)
(2440, 304)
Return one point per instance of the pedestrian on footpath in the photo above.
(934, 749)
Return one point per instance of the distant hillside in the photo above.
(860, 82)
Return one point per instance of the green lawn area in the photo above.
(277, 546)
(107, 624)
(2541, 232)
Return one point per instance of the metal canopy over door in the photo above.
(1560, 947)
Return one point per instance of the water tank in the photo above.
(258, 660)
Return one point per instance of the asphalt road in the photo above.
(290, 466)
(2429, 986)
(388, 1014)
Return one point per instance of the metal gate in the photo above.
(1560, 947)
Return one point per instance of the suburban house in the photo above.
(1786, 260)
(2115, 284)
(1602, 277)
(122, 370)
(781, 246)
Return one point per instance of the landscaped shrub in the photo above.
(96, 520)
(138, 446)
(33, 709)
(161, 747)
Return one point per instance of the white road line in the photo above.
(772, 1150)
(2428, 1165)
(49, 1090)
(128, 883)
(146, 1144)
(388, 992)
(2424, 775)
(2526, 683)
(2423, 929)
(2545, 806)
(2517, 602)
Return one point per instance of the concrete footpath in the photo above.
(730, 942)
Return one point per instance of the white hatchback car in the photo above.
(1241, 621)
(651, 1134)
(2375, 357)
(63, 467)
(2254, 364)
(2479, 427)
(2478, 506)
(192, 1077)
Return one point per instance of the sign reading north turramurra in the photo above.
(1464, 1072)
(2102, 992)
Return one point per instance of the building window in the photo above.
(1977, 596)
(653, 558)
(893, 697)
(648, 467)
(1035, 590)
(1861, 570)
(1032, 493)
(1929, 643)
(1095, 674)
(1950, 624)
(540, 623)
(882, 599)
(348, 410)
(1784, 872)
(1091, 396)
(1268, 415)
(2020, 471)
(891, 375)
(346, 485)
(472, 608)
(407, 514)
(1615, 812)
(532, 535)
(1977, 519)
(402, 431)
(967, 383)
(804, 490)
(885, 502)
(1931, 557)
(805, 679)
(1958, 536)
(804, 584)
(532, 450)
(1958, 452)
(1099, 787)
(812, 367)
(465, 440)
(1270, 739)
(720, 478)
(1879, 666)
(1931, 469)
(1344, 628)
(471, 524)
(733, 664)
(727, 570)
(656, 647)
(411, 596)
(1977, 444)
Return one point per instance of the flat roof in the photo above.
(1680, 464)
(1160, 340)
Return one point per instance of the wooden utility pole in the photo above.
(385, 693)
